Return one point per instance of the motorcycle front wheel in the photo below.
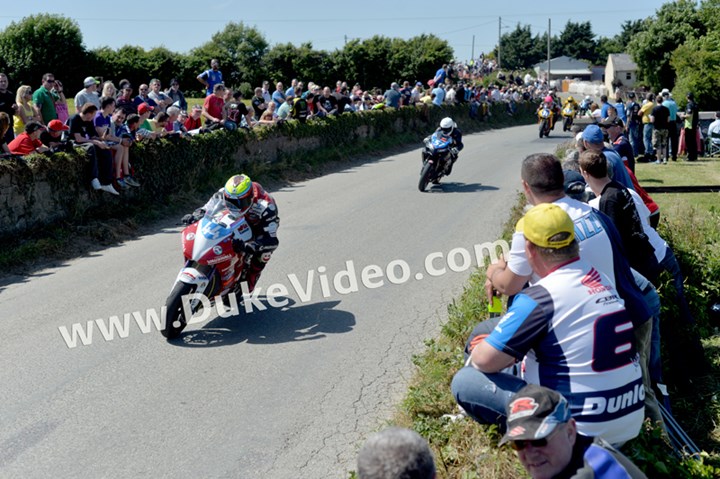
(175, 320)
(543, 125)
(425, 175)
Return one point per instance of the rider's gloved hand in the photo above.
(454, 152)
(188, 219)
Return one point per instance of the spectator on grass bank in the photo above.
(44, 99)
(211, 77)
(214, 108)
(177, 96)
(326, 103)
(278, 95)
(162, 99)
(28, 141)
(61, 106)
(691, 127)
(194, 120)
(119, 139)
(102, 119)
(88, 94)
(544, 435)
(83, 133)
(108, 90)
(393, 96)
(53, 136)
(395, 453)
(439, 94)
(125, 100)
(647, 131)
(258, 103)
(144, 97)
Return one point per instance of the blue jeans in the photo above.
(485, 396)
(635, 140)
(647, 138)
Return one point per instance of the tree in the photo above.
(240, 51)
(697, 62)
(652, 48)
(578, 41)
(41, 44)
(519, 50)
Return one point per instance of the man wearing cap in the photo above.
(614, 128)
(52, 137)
(543, 433)
(573, 332)
(88, 94)
(593, 138)
(28, 141)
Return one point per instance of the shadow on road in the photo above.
(454, 187)
(271, 326)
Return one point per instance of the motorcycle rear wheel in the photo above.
(175, 312)
(425, 176)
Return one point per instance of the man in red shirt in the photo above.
(213, 107)
(29, 141)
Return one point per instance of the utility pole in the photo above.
(499, 39)
(472, 55)
(344, 44)
(548, 53)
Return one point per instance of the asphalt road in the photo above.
(288, 392)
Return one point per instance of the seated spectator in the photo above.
(158, 125)
(126, 101)
(119, 138)
(144, 97)
(326, 103)
(556, 326)
(28, 141)
(543, 433)
(102, 119)
(161, 99)
(284, 111)
(174, 125)
(26, 111)
(194, 121)
(235, 111)
(214, 108)
(258, 102)
(269, 117)
(177, 96)
(83, 133)
(145, 111)
(396, 453)
(53, 136)
(88, 94)
(278, 96)
(179, 124)
(300, 108)
(132, 123)
(713, 129)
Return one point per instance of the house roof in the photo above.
(622, 62)
(565, 64)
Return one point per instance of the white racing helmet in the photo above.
(447, 125)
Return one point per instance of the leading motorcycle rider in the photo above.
(243, 197)
(449, 128)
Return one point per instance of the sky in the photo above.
(181, 25)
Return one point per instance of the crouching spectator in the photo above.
(542, 431)
(83, 133)
(28, 141)
(53, 137)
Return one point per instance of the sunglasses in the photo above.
(519, 445)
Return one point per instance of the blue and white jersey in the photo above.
(577, 338)
(590, 232)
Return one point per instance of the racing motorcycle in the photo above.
(212, 267)
(545, 116)
(568, 114)
(436, 158)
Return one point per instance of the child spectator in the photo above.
(28, 141)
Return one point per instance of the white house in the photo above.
(562, 68)
(620, 71)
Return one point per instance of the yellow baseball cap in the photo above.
(544, 221)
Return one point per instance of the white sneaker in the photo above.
(95, 183)
(109, 189)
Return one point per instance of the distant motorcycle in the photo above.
(568, 114)
(212, 267)
(545, 116)
(437, 158)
